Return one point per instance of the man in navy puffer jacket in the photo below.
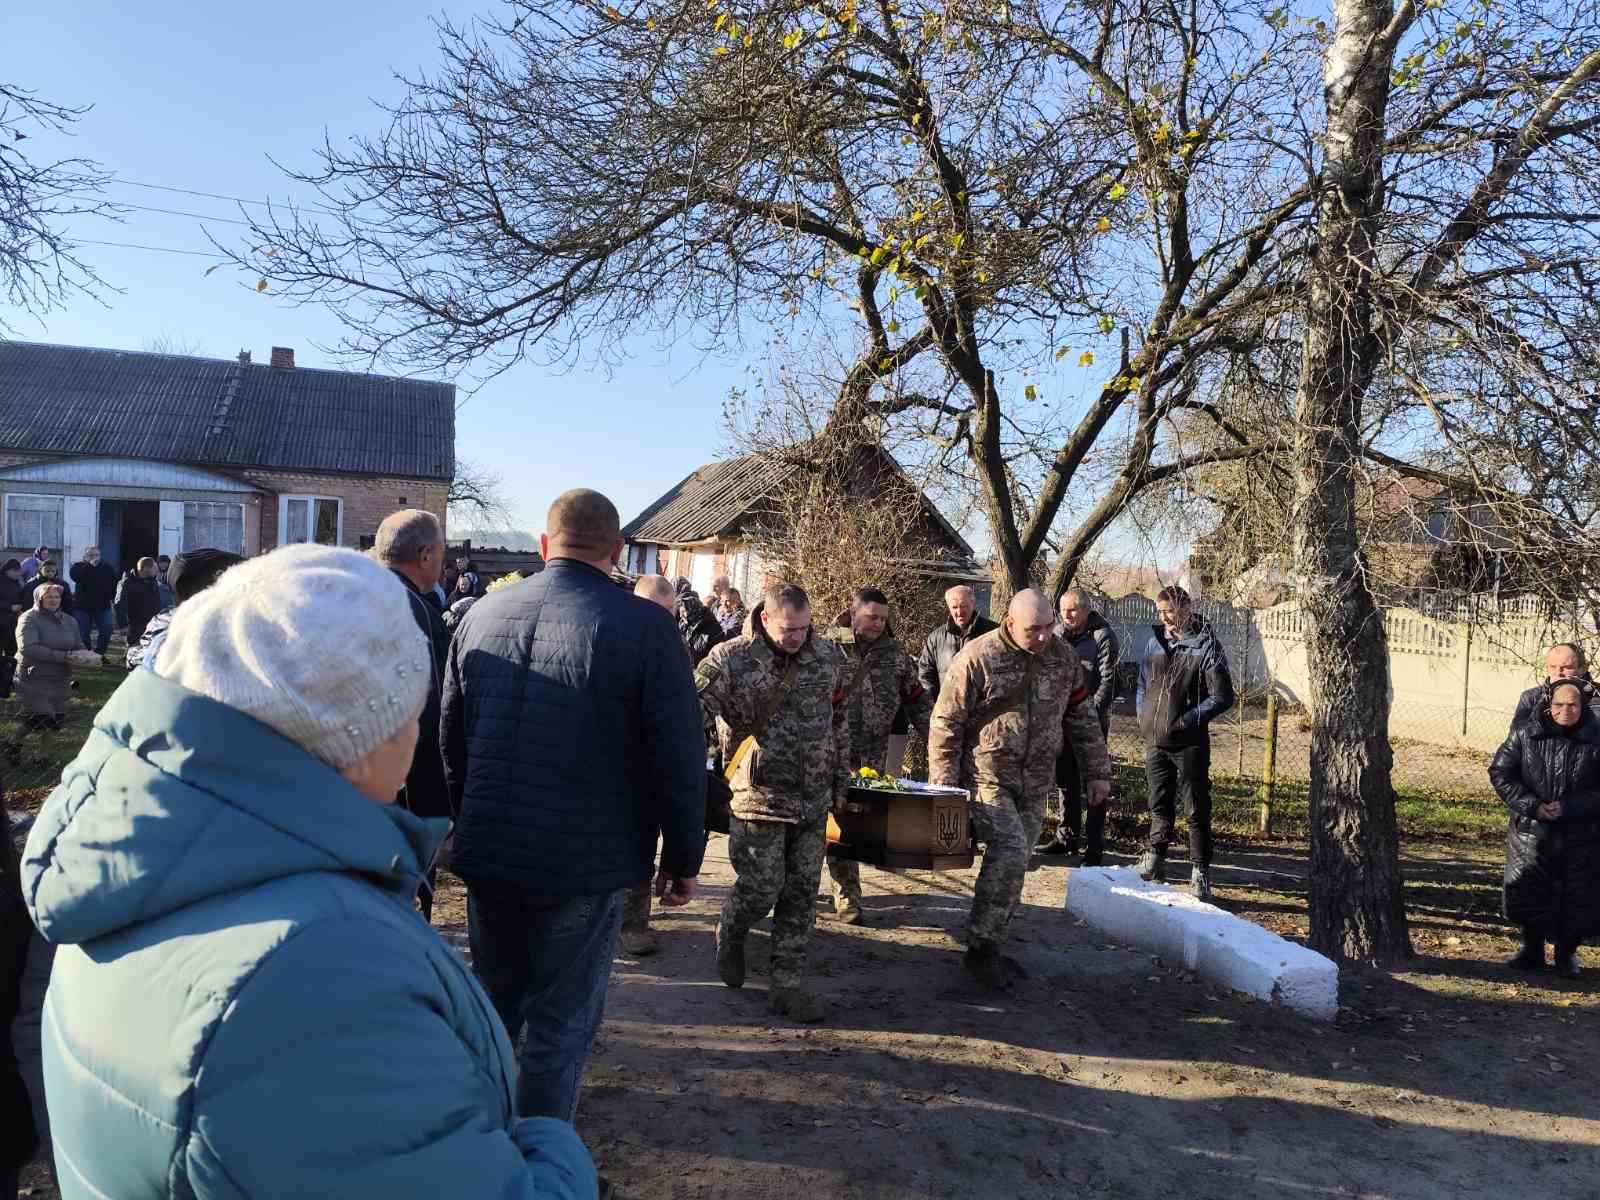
(572, 740)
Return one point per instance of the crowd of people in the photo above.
(230, 891)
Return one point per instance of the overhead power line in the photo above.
(157, 249)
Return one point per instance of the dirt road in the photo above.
(1105, 1073)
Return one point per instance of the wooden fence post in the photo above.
(1269, 762)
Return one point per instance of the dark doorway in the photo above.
(129, 530)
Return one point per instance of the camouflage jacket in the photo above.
(880, 677)
(800, 767)
(1003, 714)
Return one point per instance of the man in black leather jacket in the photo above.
(942, 644)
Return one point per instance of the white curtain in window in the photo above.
(219, 526)
(34, 521)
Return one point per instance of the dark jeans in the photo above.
(1072, 793)
(102, 624)
(545, 962)
(1169, 771)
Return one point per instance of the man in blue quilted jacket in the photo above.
(572, 740)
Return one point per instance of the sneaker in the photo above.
(730, 959)
(1153, 867)
(983, 963)
(639, 941)
(796, 1004)
(1200, 882)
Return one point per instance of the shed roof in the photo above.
(79, 400)
(717, 499)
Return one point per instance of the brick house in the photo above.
(144, 453)
(703, 527)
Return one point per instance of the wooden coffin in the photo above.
(924, 829)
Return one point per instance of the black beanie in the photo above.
(193, 571)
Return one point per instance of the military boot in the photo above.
(1153, 866)
(1566, 962)
(1531, 956)
(983, 963)
(797, 1004)
(730, 959)
(637, 938)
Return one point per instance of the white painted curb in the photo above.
(1215, 945)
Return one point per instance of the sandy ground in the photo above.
(1104, 1073)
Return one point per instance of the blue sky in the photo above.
(198, 97)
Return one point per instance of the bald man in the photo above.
(1009, 700)
(942, 644)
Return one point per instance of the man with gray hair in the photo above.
(1008, 701)
(941, 646)
(411, 544)
(1095, 641)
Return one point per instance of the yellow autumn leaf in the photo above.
(1031, 392)
(650, 23)
(262, 286)
(1103, 225)
(893, 326)
(1063, 352)
(1086, 359)
(956, 239)
(749, 38)
(720, 51)
(1118, 191)
(722, 19)
(792, 38)
(1106, 323)
(613, 13)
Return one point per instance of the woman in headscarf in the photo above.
(1548, 775)
(49, 647)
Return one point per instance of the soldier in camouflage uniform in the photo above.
(881, 677)
(1007, 702)
(783, 688)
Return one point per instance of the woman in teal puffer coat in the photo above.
(244, 1001)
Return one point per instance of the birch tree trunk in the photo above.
(1357, 912)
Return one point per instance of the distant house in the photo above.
(1418, 536)
(145, 454)
(705, 525)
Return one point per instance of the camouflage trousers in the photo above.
(779, 866)
(1008, 826)
(846, 876)
(636, 905)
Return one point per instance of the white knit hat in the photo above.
(316, 642)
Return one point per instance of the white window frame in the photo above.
(283, 517)
(62, 500)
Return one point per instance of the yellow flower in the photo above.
(867, 773)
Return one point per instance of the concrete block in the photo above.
(1215, 945)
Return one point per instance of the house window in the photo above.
(35, 521)
(219, 526)
(318, 519)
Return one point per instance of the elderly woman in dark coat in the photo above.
(1548, 775)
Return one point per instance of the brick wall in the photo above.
(366, 501)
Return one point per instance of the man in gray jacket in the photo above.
(1095, 641)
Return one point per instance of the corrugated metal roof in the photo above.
(78, 400)
(709, 503)
(715, 500)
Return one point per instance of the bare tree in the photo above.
(39, 264)
(956, 182)
(1384, 266)
(477, 499)
(168, 342)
